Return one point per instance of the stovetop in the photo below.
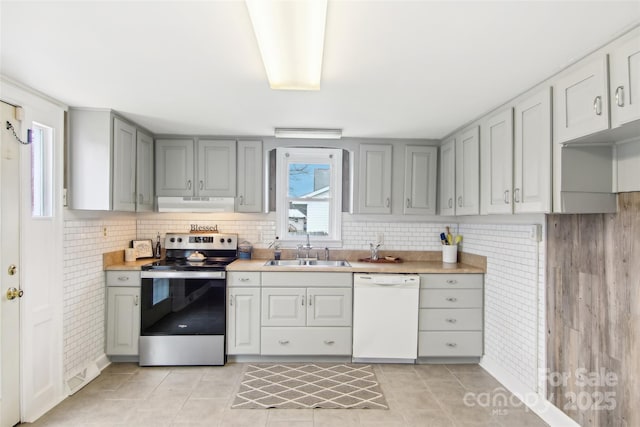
(182, 264)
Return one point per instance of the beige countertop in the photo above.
(413, 262)
(362, 267)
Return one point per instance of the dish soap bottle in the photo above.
(158, 252)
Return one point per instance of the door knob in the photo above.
(13, 293)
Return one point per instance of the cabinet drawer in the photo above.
(307, 278)
(251, 278)
(305, 341)
(444, 319)
(451, 281)
(123, 278)
(455, 298)
(442, 344)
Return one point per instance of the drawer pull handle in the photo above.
(451, 320)
(123, 278)
(283, 342)
(451, 282)
(244, 279)
(329, 342)
(452, 299)
(452, 344)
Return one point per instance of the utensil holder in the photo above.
(450, 254)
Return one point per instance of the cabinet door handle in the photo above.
(460, 201)
(452, 299)
(241, 200)
(450, 202)
(516, 195)
(123, 278)
(451, 344)
(597, 105)
(506, 197)
(136, 300)
(329, 342)
(408, 203)
(141, 197)
(620, 96)
(451, 282)
(189, 184)
(302, 299)
(450, 320)
(231, 300)
(201, 184)
(388, 202)
(310, 300)
(283, 342)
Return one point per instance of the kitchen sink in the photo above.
(306, 263)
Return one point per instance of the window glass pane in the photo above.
(41, 171)
(309, 180)
(308, 216)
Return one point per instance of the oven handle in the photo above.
(183, 275)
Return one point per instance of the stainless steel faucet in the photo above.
(326, 253)
(308, 246)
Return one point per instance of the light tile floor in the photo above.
(418, 395)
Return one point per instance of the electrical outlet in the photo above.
(380, 238)
(535, 232)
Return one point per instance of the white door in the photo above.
(448, 177)
(420, 180)
(9, 256)
(497, 163)
(532, 154)
(329, 306)
(284, 306)
(243, 321)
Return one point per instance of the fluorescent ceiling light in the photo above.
(290, 36)
(308, 133)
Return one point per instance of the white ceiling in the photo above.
(405, 69)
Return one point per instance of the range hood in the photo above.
(196, 204)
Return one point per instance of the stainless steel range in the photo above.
(183, 301)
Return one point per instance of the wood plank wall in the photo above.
(593, 314)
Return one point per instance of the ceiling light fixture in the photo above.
(308, 133)
(291, 39)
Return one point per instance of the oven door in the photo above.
(182, 318)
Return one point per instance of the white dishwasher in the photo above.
(385, 317)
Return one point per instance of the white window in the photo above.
(309, 195)
(41, 171)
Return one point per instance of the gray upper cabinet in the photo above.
(625, 79)
(176, 174)
(448, 177)
(374, 179)
(144, 172)
(532, 154)
(124, 166)
(174, 167)
(216, 168)
(468, 172)
(420, 175)
(582, 99)
(497, 163)
(249, 198)
(104, 162)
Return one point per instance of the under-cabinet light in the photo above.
(308, 133)
(291, 39)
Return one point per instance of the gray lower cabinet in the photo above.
(451, 316)
(123, 313)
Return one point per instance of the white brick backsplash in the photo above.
(84, 286)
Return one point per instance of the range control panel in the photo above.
(195, 241)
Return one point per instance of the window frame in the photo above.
(291, 155)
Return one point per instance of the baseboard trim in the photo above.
(85, 375)
(551, 414)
